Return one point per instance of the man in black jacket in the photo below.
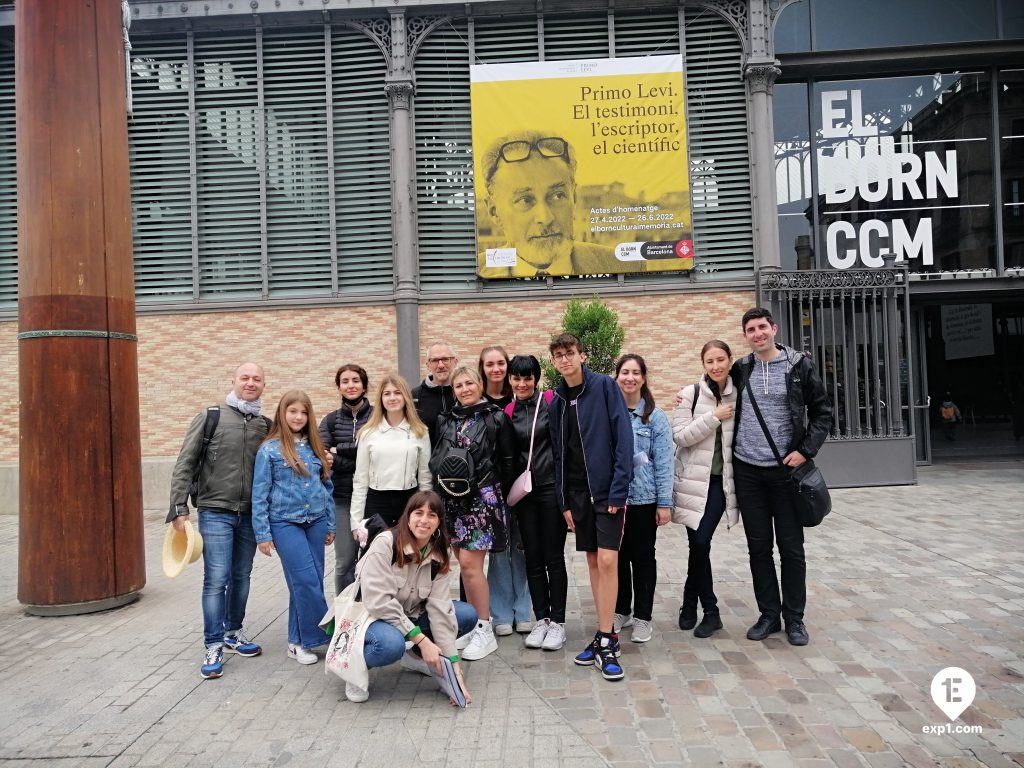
(786, 387)
(434, 395)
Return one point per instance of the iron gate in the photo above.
(854, 324)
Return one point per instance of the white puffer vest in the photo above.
(695, 442)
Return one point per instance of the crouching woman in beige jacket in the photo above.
(406, 583)
(703, 487)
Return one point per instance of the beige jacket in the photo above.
(400, 594)
(389, 459)
(695, 439)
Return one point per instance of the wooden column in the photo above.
(81, 544)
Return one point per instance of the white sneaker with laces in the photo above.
(536, 637)
(302, 655)
(355, 694)
(415, 664)
(483, 643)
(555, 638)
(463, 640)
(621, 622)
(641, 631)
(503, 630)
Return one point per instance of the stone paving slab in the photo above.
(901, 583)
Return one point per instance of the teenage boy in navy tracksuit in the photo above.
(593, 446)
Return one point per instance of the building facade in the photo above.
(302, 195)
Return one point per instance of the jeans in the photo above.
(767, 500)
(506, 577)
(301, 549)
(345, 548)
(699, 581)
(543, 531)
(384, 644)
(638, 568)
(229, 545)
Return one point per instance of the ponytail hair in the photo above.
(712, 384)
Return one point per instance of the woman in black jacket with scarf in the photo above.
(477, 519)
(338, 433)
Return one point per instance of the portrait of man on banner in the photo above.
(531, 195)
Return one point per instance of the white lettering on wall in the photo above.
(871, 168)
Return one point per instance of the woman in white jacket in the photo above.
(703, 485)
(392, 455)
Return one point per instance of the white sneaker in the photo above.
(463, 641)
(415, 664)
(503, 630)
(483, 642)
(302, 655)
(621, 622)
(641, 631)
(555, 638)
(536, 637)
(355, 694)
(524, 627)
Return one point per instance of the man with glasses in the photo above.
(592, 440)
(435, 396)
(531, 194)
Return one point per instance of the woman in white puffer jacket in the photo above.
(703, 484)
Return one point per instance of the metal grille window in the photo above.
(8, 184)
(716, 114)
(234, 193)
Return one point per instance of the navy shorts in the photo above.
(595, 528)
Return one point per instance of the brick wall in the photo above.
(186, 361)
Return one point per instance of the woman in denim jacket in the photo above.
(293, 513)
(650, 499)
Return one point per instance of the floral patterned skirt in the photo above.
(478, 521)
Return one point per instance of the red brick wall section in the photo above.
(186, 361)
(667, 330)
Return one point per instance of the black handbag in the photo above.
(814, 502)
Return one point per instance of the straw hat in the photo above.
(181, 548)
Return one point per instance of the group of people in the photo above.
(480, 462)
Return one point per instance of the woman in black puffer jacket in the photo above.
(338, 432)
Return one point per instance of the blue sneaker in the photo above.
(604, 660)
(213, 666)
(241, 645)
(585, 658)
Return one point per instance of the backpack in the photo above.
(455, 468)
(948, 413)
(548, 396)
(212, 419)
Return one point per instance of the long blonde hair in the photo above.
(409, 409)
(281, 431)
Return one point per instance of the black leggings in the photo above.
(638, 568)
(543, 530)
(388, 504)
(699, 583)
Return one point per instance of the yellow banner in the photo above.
(581, 167)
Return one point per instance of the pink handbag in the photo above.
(523, 484)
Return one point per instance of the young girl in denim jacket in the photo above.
(650, 499)
(293, 513)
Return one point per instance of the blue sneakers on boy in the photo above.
(213, 665)
(588, 655)
(240, 644)
(604, 660)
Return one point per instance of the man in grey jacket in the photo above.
(224, 469)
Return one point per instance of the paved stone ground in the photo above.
(902, 583)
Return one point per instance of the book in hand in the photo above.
(448, 682)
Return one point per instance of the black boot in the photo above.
(688, 610)
(710, 624)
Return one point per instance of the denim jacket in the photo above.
(652, 478)
(281, 495)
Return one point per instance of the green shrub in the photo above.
(597, 327)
